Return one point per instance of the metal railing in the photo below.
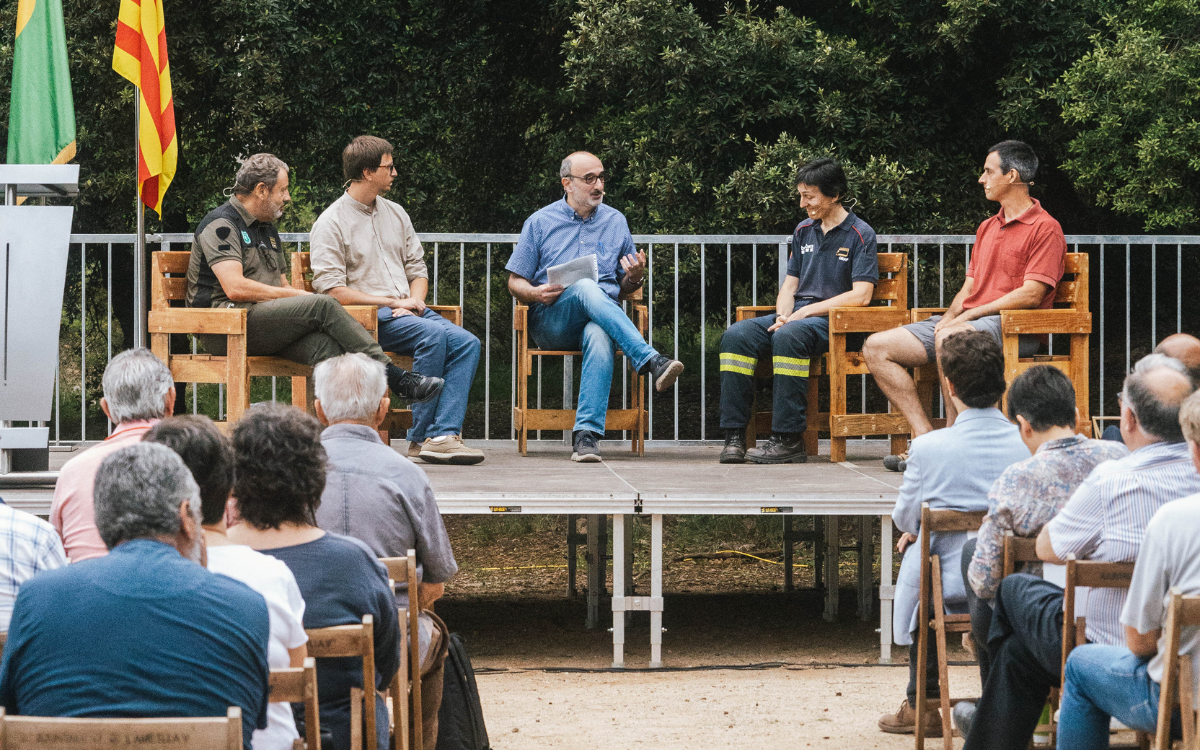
(693, 285)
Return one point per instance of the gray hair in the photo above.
(135, 386)
(350, 387)
(1156, 360)
(264, 168)
(564, 169)
(1155, 411)
(138, 491)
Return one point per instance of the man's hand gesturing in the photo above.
(634, 266)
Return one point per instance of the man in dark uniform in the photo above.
(237, 261)
(833, 264)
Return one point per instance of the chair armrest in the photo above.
(452, 313)
(866, 319)
(1014, 322)
(641, 319)
(925, 313)
(226, 321)
(520, 317)
(752, 311)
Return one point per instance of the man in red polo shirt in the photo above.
(1016, 263)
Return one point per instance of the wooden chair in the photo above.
(634, 418)
(1178, 683)
(168, 315)
(840, 363)
(53, 733)
(352, 640)
(400, 420)
(931, 596)
(1024, 550)
(299, 685)
(407, 692)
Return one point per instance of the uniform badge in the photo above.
(807, 249)
(273, 245)
(843, 253)
(245, 237)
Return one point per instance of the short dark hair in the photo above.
(1043, 395)
(825, 175)
(208, 455)
(280, 466)
(364, 152)
(1019, 156)
(1157, 417)
(974, 364)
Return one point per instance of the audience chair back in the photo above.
(54, 733)
(352, 640)
(169, 316)
(1178, 683)
(406, 692)
(1017, 550)
(634, 418)
(299, 685)
(938, 521)
(888, 310)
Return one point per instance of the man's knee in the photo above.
(737, 338)
(876, 347)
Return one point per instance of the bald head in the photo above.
(580, 163)
(1183, 347)
(1154, 396)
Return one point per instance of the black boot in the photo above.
(735, 447)
(413, 387)
(780, 449)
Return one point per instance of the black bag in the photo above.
(460, 719)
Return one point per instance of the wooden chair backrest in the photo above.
(943, 521)
(299, 685)
(351, 640)
(1018, 549)
(1072, 291)
(1182, 612)
(54, 733)
(1092, 574)
(892, 290)
(405, 569)
(168, 278)
(302, 269)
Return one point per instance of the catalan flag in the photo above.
(41, 119)
(141, 57)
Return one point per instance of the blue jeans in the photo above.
(439, 349)
(584, 317)
(1101, 682)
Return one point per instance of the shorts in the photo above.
(1027, 345)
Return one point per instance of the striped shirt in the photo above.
(28, 545)
(1106, 520)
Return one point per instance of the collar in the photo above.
(144, 546)
(571, 214)
(1161, 449)
(1031, 214)
(360, 206)
(988, 413)
(355, 431)
(127, 427)
(246, 215)
(1060, 443)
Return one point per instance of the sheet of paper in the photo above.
(568, 273)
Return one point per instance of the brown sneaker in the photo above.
(414, 450)
(904, 721)
(449, 449)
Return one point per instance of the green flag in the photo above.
(41, 118)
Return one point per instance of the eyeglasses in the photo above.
(390, 167)
(591, 179)
(268, 256)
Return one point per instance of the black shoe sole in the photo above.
(799, 458)
(734, 459)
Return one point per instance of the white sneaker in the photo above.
(449, 449)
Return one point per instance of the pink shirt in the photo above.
(71, 512)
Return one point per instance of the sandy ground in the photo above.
(761, 709)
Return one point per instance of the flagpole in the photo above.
(139, 252)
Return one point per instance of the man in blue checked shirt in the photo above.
(585, 315)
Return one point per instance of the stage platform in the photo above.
(671, 479)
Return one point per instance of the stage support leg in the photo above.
(596, 549)
(656, 594)
(832, 552)
(627, 561)
(572, 554)
(866, 567)
(887, 592)
(818, 545)
(618, 599)
(789, 551)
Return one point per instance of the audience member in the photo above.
(373, 494)
(1104, 681)
(29, 546)
(1181, 347)
(1016, 264)
(137, 393)
(834, 263)
(209, 456)
(1105, 519)
(365, 252)
(144, 631)
(951, 469)
(1041, 401)
(585, 315)
(280, 475)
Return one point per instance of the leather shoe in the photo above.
(904, 721)
(735, 447)
(780, 450)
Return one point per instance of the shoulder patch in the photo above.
(245, 237)
(273, 245)
(223, 232)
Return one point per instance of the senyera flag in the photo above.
(141, 57)
(41, 116)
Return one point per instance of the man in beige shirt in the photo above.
(365, 252)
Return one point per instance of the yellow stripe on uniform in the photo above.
(738, 363)
(792, 366)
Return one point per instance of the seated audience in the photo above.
(279, 477)
(29, 546)
(209, 456)
(1104, 681)
(137, 393)
(145, 631)
(1105, 519)
(1041, 401)
(951, 469)
(1178, 346)
(373, 494)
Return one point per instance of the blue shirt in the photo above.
(341, 580)
(556, 234)
(828, 264)
(141, 632)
